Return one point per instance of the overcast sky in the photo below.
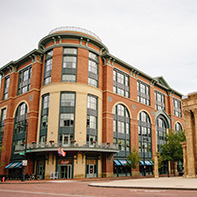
(159, 37)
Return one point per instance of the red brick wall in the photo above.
(2, 89)
(82, 66)
(56, 65)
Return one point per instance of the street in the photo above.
(80, 189)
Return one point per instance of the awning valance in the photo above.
(123, 161)
(14, 165)
(146, 163)
(117, 163)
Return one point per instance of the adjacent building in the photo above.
(190, 146)
(71, 95)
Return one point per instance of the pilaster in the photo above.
(190, 144)
(195, 136)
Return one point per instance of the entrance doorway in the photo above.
(41, 169)
(65, 172)
(91, 168)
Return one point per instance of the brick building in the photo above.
(71, 93)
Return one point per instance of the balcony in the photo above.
(73, 146)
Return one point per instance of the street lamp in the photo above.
(144, 139)
(25, 144)
(167, 164)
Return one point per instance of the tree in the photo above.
(133, 159)
(172, 149)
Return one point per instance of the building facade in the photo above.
(72, 94)
(190, 146)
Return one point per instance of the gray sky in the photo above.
(159, 37)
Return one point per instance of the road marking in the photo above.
(152, 191)
(61, 181)
(42, 193)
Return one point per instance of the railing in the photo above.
(72, 28)
(71, 145)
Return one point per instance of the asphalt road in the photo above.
(80, 189)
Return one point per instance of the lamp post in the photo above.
(144, 139)
(168, 164)
(24, 163)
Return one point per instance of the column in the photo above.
(184, 146)
(156, 169)
(195, 137)
(190, 145)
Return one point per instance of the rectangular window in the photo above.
(92, 115)
(159, 101)
(91, 122)
(44, 118)
(143, 93)
(121, 127)
(67, 99)
(6, 87)
(48, 67)
(121, 83)
(92, 102)
(24, 80)
(114, 126)
(69, 65)
(66, 120)
(2, 123)
(68, 78)
(177, 107)
(67, 105)
(93, 69)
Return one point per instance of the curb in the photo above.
(143, 187)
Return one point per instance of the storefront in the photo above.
(146, 168)
(120, 168)
(14, 170)
(40, 169)
(65, 168)
(92, 165)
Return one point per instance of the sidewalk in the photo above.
(172, 183)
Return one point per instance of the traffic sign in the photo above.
(24, 162)
(21, 153)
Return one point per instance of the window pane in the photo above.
(68, 78)
(67, 99)
(70, 51)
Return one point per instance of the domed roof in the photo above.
(74, 29)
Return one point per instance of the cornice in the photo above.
(57, 38)
(13, 65)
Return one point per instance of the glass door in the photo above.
(40, 170)
(91, 168)
(65, 172)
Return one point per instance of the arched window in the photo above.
(178, 127)
(144, 134)
(162, 126)
(20, 125)
(121, 129)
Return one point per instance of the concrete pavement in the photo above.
(172, 183)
